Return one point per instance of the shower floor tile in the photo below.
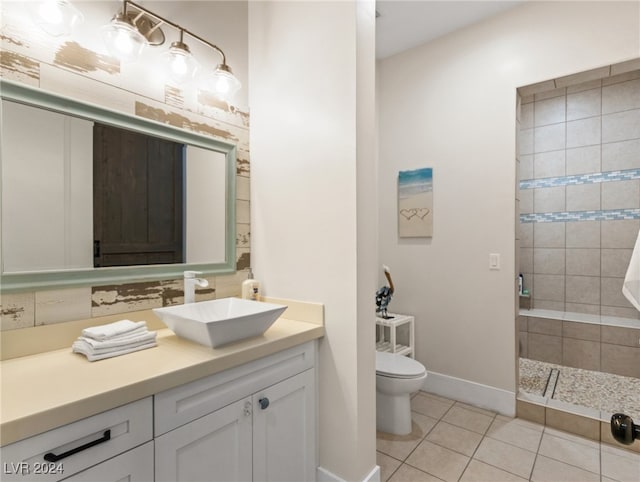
(586, 388)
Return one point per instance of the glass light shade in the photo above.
(56, 17)
(122, 39)
(223, 83)
(180, 64)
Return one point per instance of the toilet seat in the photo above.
(397, 366)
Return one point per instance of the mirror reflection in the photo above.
(86, 194)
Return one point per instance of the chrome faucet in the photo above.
(190, 282)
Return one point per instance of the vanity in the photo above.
(179, 411)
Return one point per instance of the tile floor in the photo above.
(453, 441)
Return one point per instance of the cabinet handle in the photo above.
(264, 403)
(51, 457)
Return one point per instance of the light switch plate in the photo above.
(494, 261)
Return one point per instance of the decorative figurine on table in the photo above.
(383, 296)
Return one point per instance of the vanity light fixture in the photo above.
(136, 27)
(56, 17)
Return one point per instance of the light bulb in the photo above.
(56, 17)
(180, 64)
(223, 83)
(122, 39)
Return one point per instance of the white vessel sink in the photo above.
(217, 322)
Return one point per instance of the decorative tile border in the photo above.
(569, 216)
(593, 178)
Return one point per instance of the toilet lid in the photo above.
(398, 366)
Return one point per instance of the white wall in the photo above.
(313, 201)
(451, 105)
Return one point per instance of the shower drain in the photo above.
(552, 382)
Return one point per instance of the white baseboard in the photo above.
(323, 475)
(483, 396)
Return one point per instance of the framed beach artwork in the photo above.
(415, 203)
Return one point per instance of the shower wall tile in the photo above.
(526, 235)
(549, 138)
(618, 335)
(545, 326)
(584, 132)
(526, 201)
(549, 287)
(582, 308)
(581, 331)
(618, 359)
(549, 199)
(621, 96)
(589, 85)
(584, 104)
(549, 305)
(525, 141)
(526, 166)
(583, 234)
(583, 160)
(620, 234)
(583, 197)
(620, 194)
(619, 312)
(526, 260)
(621, 126)
(526, 116)
(583, 289)
(549, 235)
(548, 93)
(549, 164)
(548, 261)
(583, 261)
(523, 344)
(523, 323)
(612, 293)
(621, 155)
(581, 354)
(549, 111)
(615, 262)
(545, 348)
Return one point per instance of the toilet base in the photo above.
(393, 413)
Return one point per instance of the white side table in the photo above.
(403, 345)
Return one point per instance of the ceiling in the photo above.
(406, 24)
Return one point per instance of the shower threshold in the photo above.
(597, 393)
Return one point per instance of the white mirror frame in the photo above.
(37, 280)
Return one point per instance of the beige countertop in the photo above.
(46, 390)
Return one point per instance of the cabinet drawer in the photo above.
(79, 445)
(133, 466)
(181, 405)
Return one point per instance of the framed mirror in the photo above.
(92, 196)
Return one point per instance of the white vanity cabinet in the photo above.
(85, 445)
(253, 422)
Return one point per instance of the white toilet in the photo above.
(397, 377)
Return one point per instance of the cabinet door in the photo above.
(284, 435)
(216, 447)
(133, 466)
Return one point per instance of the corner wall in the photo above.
(451, 105)
(313, 203)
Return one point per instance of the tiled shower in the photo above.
(579, 199)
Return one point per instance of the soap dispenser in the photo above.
(251, 288)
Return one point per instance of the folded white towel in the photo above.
(111, 330)
(631, 285)
(100, 356)
(139, 339)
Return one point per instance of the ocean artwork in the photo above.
(415, 203)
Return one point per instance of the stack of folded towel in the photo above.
(114, 339)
